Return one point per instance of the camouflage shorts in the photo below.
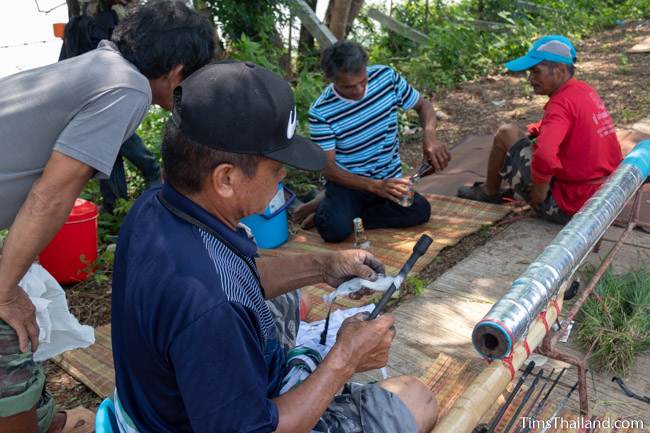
(516, 174)
(22, 381)
(359, 408)
(285, 310)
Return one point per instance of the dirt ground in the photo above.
(476, 107)
(479, 107)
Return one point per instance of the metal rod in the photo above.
(536, 410)
(323, 335)
(524, 401)
(531, 408)
(513, 394)
(560, 406)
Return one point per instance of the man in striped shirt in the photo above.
(355, 122)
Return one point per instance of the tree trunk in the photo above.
(355, 8)
(346, 10)
(340, 10)
(283, 60)
(203, 8)
(306, 41)
(73, 8)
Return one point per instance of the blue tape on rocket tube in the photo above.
(640, 157)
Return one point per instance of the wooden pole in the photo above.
(311, 22)
(398, 27)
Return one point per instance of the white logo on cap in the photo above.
(293, 121)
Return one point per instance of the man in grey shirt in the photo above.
(60, 125)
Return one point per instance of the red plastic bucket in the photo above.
(74, 248)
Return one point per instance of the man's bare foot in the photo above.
(305, 210)
(308, 222)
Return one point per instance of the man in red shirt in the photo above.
(559, 162)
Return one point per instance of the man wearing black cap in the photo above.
(194, 343)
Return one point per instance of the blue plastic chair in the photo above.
(105, 421)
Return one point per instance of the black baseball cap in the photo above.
(240, 107)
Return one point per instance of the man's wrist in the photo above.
(373, 186)
(341, 361)
(8, 296)
(321, 260)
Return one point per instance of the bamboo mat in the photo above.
(451, 219)
(92, 366)
(448, 377)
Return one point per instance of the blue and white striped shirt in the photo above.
(364, 132)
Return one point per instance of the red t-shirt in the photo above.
(576, 145)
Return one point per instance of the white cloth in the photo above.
(59, 331)
(381, 284)
(309, 333)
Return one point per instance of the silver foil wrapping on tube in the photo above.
(531, 293)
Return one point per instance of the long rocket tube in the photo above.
(510, 318)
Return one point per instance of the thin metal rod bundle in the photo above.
(538, 408)
(524, 401)
(559, 407)
(510, 318)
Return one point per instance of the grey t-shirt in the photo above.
(84, 107)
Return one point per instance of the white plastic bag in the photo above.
(381, 284)
(59, 331)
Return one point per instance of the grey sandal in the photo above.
(477, 193)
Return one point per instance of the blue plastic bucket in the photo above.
(271, 228)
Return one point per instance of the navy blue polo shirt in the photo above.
(194, 344)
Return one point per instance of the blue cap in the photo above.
(554, 48)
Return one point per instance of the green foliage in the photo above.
(3, 236)
(301, 182)
(617, 320)
(255, 19)
(460, 50)
(101, 269)
(308, 87)
(415, 285)
(152, 128)
(263, 54)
